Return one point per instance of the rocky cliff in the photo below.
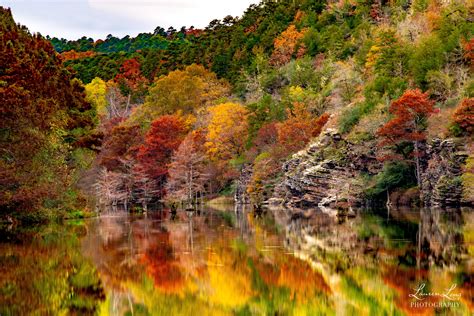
(325, 174)
(441, 178)
(328, 173)
(241, 196)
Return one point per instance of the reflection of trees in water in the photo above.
(199, 253)
(318, 231)
(440, 239)
(242, 223)
(42, 272)
(116, 243)
(120, 246)
(163, 265)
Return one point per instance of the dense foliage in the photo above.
(44, 116)
(182, 113)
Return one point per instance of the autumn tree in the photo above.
(72, 55)
(267, 137)
(408, 125)
(108, 188)
(144, 187)
(121, 143)
(265, 166)
(96, 92)
(130, 78)
(469, 52)
(43, 111)
(164, 137)
(464, 116)
(187, 90)
(127, 181)
(298, 129)
(227, 131)
(287, 44)
(187, 171)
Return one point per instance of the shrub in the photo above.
(394, 175)
(427, 57)
(392, 87)
(351, 117)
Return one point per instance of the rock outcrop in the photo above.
(441, 178)
(325, 174)
(241, 196)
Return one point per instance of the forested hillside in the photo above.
(181, 113)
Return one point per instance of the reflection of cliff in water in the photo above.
(412, 237)
(440, 236)
(378, 253)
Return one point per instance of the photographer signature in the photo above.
(449, 294)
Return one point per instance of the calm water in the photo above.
(230, 261)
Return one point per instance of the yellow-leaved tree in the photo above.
(189, 91)
(96, 92)
(227, 131)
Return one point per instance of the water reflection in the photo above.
(234, 261)
(379, 259)
(42, 272)
(440, 237)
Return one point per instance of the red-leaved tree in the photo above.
(130, 76)
(408, 125)
(120, 144)
(164, 137)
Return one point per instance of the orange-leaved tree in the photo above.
(130, 77)
(73, 55)
(468, 48)
(286, 45)
(298, 129)
(464, 116)
(408, 125)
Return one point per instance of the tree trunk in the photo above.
(417, 163)
(389, 203)
(128, 105)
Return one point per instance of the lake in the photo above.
(230, 261)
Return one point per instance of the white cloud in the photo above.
(98, 18)
(172, 13)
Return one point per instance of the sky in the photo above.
(73, 19)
